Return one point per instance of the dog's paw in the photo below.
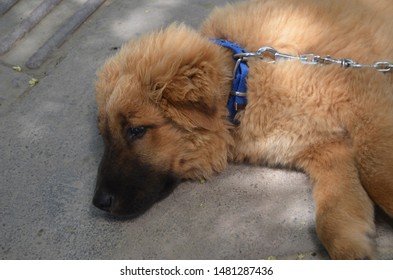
(355, 247)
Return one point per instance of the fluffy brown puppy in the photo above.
(163, 116)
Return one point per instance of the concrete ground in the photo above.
(50, 150)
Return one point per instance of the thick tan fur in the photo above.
(335, 124)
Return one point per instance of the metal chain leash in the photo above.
(274, 55)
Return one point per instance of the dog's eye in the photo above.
(135, 132)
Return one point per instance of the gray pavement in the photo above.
(50, 150)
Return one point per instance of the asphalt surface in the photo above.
(50, 149)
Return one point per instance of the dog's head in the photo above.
(161, 104)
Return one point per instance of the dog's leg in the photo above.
(379, 186)
(375, 161)
(344, 212)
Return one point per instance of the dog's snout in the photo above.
(103, 201)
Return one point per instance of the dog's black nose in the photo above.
(103, 201)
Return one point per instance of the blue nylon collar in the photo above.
(237, 98)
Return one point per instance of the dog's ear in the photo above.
(190, 95)
(189, 83)
(185, 73)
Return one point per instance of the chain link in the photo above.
(266, 53)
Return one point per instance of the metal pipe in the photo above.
(38, 58)
(5, 5)
(27, 24)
